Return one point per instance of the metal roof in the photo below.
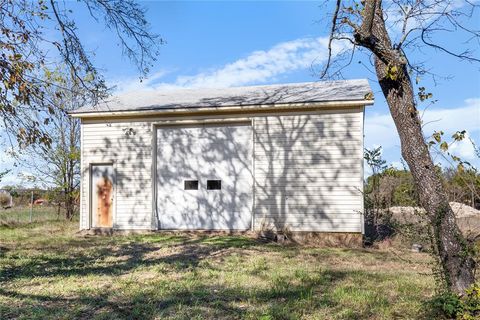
(308, 92)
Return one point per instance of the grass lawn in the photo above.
(49, 272)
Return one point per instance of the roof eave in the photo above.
(233, 108)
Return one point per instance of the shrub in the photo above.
(471, 303)
(4, 199)
(453, 306)
(447, 304)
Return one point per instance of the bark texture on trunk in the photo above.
(453, 251)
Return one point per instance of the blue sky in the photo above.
(248, 43)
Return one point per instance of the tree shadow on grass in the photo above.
(284, 298)
(104, 256)
(279, 295)
(183, 252)
(312, 294)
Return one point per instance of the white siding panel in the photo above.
(308, 171)
(128, 146)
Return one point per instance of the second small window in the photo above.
(214, 184)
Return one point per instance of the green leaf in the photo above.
(437, 135)
(392, 72)
(459, 135)
(444, 146)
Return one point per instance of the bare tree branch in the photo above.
(330, 40)
(27, 51)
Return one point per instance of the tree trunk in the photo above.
(69, 204)
(392, 73)
(457, 264)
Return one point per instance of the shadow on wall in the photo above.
(130, 150)
(103, 181)
(307, 172)
(220, 153)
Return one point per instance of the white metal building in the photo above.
(281, 156)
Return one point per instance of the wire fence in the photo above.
(20, 206)
(27, 214)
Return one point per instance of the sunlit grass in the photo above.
(48, 271)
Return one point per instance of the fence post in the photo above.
(31, 207)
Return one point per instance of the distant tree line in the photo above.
(396, 187)
(388, 186)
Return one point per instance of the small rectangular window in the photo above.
(190, 185)
(214, 184)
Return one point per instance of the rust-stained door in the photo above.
(102, 191)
